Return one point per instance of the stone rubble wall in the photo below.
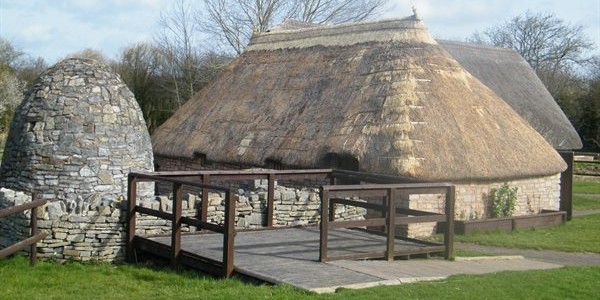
(97, 233)
(76, 136)
(472, 201)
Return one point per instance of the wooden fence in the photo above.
(35, 237)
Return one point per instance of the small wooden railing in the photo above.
(176, 255)
(36, 235)
(207, 177)
(206, 181)
(341, 194)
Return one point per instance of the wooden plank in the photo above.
(566, 185)
(357, 193)
(414, 212)
(153, 247)
(324, 232)
(34, 231)
(228, 237)
(366, 187)
(419, 219)
(130, 218)
(270, 199)
(357, 223)
(22, 244)
(356, 203)
(20, 208)
(153, 212)
(176, 224)
(204, 203)
(449, 211)
(203, 264)
(203, 225)
(390, 224)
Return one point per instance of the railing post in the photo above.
(270, 199)
(204, 203)
(229, 235)
(131, 203)
(176, 225)
(324, 195)
(34, 229)
(566, 184)
(449, 233)
(391, 224)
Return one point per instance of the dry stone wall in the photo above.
(73, 141)
(77, 134)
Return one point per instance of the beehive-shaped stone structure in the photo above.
(76, 136)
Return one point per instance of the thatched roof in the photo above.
(382, 92)
(510, 77)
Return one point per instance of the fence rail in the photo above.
(331, 195)
(593, 163)
(35, 236)
(327, 178)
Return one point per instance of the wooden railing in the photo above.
(205, 182)
(206, 177)
(36, 235)
(176, 255)
(342, 194)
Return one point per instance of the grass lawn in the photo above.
(586, 187)
(586, 202)
(578, 235)
(104, 281)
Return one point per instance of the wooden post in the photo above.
(270, 199)
(324, 194)
(131, 203)
(34, 229)
(229, 234)
(449, 233)
(390, 224)
(176, 225)
(204, 204)
(566, 185)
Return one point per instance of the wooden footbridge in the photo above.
(283, 254)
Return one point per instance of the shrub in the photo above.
(503, 201)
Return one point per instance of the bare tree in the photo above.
(178, 44)
(334, 11)
(233, 22)
(544, 40)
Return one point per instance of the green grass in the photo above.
(586, 202)
(578, 235)
(586, 187)
(103, 281)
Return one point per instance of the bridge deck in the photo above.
(291, 255)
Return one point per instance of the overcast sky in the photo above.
(53, 29)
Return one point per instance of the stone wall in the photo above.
(77, 134)
(97, 232)
(472, 200)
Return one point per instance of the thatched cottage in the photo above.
(381, 97)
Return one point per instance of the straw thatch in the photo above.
(510, 77)
(382, 92)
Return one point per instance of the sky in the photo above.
(53, 29)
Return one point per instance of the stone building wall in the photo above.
(472, 200)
